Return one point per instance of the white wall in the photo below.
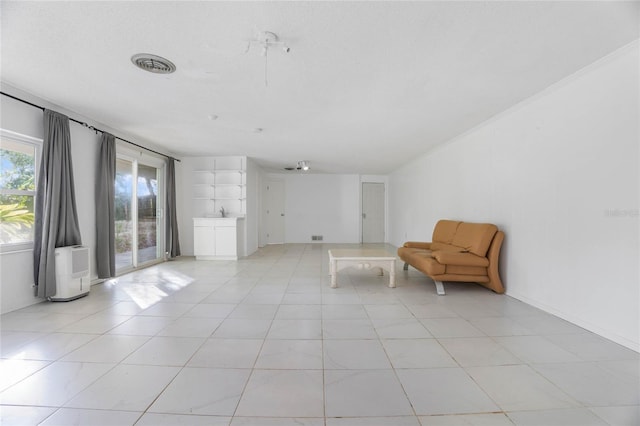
(317, 204)
(326, 205)
(551, 172)
(16, 269)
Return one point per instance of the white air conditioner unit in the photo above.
(72, 273)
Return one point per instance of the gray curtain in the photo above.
(173, 243)
(56, 216)
(105, 208)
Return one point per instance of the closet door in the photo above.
(373, 212)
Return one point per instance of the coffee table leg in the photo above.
(392, 275)
(381, 272)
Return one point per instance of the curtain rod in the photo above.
(83, 124)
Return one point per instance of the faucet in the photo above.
(222, 212)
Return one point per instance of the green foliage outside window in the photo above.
(17, 181)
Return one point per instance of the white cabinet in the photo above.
(217, 238)
(227, 240)
(204, 238)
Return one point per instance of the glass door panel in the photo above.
(147, 197)
(124, 214)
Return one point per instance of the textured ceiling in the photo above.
(366, 87)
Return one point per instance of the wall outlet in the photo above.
(316, 238)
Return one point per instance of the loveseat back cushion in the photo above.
(475, 237)
(444, 231)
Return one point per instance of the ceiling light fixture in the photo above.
(153, 63)
(302, 165)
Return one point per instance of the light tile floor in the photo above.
(265, 341)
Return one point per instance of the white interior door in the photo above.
(372, 212)
(275, 212)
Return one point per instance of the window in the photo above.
(19, 156)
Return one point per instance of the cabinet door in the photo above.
(226, 244)
(204, 241)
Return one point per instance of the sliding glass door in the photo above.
(138, 199)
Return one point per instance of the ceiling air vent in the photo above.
(153, 63)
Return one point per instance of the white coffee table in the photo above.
(364, 259)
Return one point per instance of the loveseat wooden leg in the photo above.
(439, 287)
(406, 266)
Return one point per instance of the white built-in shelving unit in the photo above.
(220, 182)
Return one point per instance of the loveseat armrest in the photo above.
(418, 245)
(461, 259)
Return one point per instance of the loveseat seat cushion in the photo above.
(430, 266)
(461, 259)
(421, 260)
(426, 264)
(474, 237)
(466, 270)
(409, 254)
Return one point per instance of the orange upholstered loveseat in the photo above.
(460, 251)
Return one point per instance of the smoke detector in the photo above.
(153, 63)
